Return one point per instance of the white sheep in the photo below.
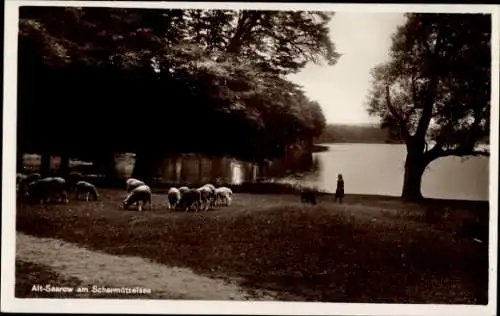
(45, 189)
(24, 180)
(30, 178)
(39, 190)
(211, 199)
(190, 199)
(206, 196)
(59, 187)
(174, 196)
(20, 179)
(224, 195)
(211, 186)
(133, 183)
(183, 190)
(140, 195)
(87, 188)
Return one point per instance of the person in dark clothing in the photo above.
(339, 193)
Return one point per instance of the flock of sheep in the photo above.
(205, 197)
(43, 190)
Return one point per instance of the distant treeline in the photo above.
(340, 133)
(344, 133)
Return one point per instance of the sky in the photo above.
(364, 40)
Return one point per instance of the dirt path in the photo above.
(96, 268)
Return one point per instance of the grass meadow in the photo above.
(368, 249)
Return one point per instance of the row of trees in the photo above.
(93, 81)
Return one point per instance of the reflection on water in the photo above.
(199, 169)
(33, 162)
(237, 173)
(124, 164)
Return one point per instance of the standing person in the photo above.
(339, 193)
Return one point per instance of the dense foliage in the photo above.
(435, 91)
(208, 81)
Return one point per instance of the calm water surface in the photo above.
(379, 169)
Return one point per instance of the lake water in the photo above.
(379, 169)
(366, 169)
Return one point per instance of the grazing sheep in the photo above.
(88, 189)
(190, 199)
(210, 186)
(24, 180)
(206, 197)
(308, 196)
(210, 201)
(223, 196)
(174, 196)
(212, 194)
(32, 177)
(20, 178)
(38, 190)
(44, 189)
(183, 190)
(60, 188)
(133, 183)
(140, 195)
(20, 181)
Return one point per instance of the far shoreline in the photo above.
(323, 145)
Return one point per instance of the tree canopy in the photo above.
(434, 92)
(118, 77)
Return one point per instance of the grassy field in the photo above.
(369, 249)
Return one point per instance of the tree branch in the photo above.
(246, 21)
(460, 152)
(438, 152)
(414, 92)
(423, 124)
(399, 118)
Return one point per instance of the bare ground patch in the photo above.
(39, 258)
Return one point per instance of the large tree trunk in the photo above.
(246, 21)
(414, 169)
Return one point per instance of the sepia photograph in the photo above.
(250, 158)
